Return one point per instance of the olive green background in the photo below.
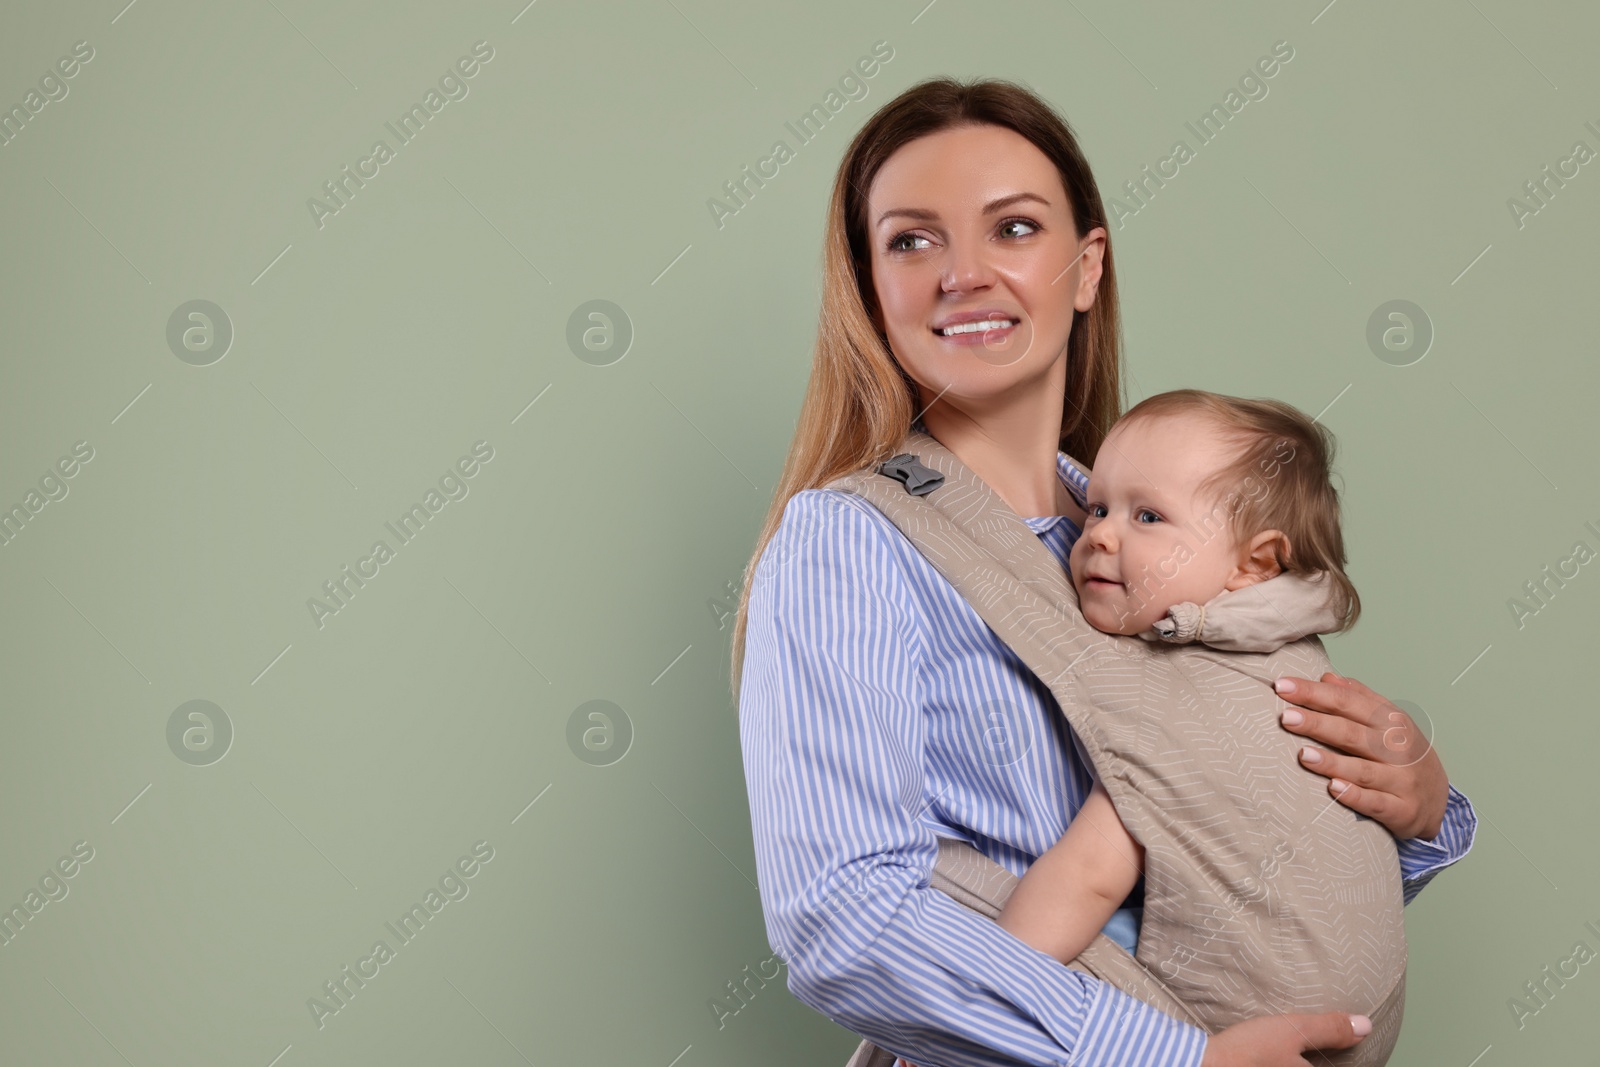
(595, 556)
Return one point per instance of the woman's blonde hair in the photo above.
(859, 403)
(1263, 488)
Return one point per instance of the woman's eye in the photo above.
(1153, 517)
(1031, 227)
(896, 242)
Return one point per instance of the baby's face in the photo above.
(1149, 541)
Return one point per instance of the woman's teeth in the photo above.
(975, 327)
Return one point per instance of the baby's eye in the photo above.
(1142, 512)
(895, 244)
(1096, 511)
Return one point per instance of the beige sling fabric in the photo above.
(1258, 618)
(1262, 894)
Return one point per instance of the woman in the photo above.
(877, 711)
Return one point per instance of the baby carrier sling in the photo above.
(1263, 895)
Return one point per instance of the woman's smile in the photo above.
(986, 331)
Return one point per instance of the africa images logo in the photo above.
(453, 485)
(341, 189)
(807, 128)
(454, 885)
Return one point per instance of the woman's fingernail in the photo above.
(1361, 1025)
(1310, 755)
(1283, 685)
(1291, 717)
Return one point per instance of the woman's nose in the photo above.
(966, 268)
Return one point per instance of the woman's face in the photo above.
(972, 224)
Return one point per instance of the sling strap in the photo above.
(1263, 895)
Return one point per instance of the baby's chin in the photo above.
(1110, 620)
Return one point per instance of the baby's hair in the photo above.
(1299, 497)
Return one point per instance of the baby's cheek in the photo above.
(1075, 556)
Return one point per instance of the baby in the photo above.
(1209, 518)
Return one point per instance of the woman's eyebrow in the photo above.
(924, 215)
(1007, 201)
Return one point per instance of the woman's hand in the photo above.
(1389, 771)
(1278, 1040)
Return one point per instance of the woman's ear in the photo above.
(1258, 560)
(1092, 257)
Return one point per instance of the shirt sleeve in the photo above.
(832, 732)
(1420, 860)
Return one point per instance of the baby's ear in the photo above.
(1258, 559)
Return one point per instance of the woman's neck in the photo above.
(1012, 447)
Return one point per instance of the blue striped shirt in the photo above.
(877, 712)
